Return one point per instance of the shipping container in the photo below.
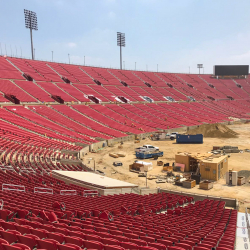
(189, 138)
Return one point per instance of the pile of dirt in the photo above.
(214, 131)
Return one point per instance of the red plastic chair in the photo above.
(158, 246)
(68, 246)
(47, 244)
(93, 245)
(74, 240)
(110, 242)
(10, 236)
(128, 245)
(29, 240)
(185, 246)
(3, 241)
(108, 247)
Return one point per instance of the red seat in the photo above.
(68, 246)
(47, 244)
(108, 247)
(93, 245)
(2, 241)
(56, 236)
(159, 246)
(6, 215)
(128, 245)
(41, 233)
(185, 246)
(10, 236)
(29, 240)
(110, 242)
(165, 242)
(15, 247)
(139, 242)
(74, 240)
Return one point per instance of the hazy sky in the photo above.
(175, 34)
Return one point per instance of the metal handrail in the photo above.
(46, 190)
(90, 193)
(5, 187)
(68, 192)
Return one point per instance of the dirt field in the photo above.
(238, 162)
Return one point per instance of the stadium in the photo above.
(71, 137)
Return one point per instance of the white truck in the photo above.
(173, 135)
(145, 148)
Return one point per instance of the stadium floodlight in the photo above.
(120, 43)
(31, 23)
(199, 66)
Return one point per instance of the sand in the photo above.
(214, 131)
(237, 162)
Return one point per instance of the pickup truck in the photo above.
(171, 136)
(145, 148)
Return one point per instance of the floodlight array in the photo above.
(120, 39)
(30, 20)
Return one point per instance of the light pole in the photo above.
(120, 43)
(10, 51)
(199, 66)
(31, 23)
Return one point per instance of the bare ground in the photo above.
(237, 162)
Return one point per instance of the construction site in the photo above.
(205, 168)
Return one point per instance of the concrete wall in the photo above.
(200, 197)
(114, 141)
(97, 146)
(83, 152)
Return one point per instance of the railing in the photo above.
(87, 193)
(10, 168)
(68, 192)
(12, 187)
(248, 224)
(43, 190)
(29, 170)
(1, 205)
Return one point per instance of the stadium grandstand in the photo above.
(51, 111)
(55, 116)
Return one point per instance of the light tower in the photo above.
(120, 43)
(199, 66)
(31, 23)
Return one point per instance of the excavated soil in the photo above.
(214, 131)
